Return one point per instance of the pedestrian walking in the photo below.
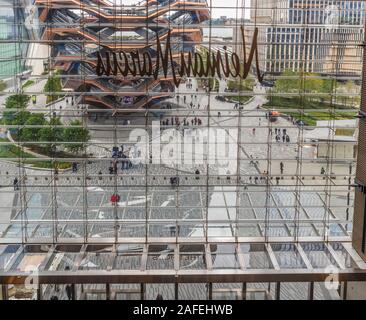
(16, 184)
(197, 174)
(115, 198)
(281, 167)
(277, 181)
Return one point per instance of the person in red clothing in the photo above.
(115, 198)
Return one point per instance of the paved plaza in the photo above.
(237, 203)
(249, 202)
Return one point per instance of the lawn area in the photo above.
(242, 99)
(48, 164)
(28, 83)
(13, 151)
(242, 85)
(279, 103)
(310, 117)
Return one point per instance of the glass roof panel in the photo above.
(318, 255)
(288, 256)
(256, 256)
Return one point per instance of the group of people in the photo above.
(177, 122)
(238, 106)
(72, 98)
(189, 84)
(280, 135)
(117, 153)
(194, 104)
(125, 164)
(174, 181)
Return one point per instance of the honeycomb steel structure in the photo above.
(104, 27)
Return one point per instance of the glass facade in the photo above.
(165, 140)
(11, 63)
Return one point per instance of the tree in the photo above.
(288, 82)
(53, 85)
(32, 134)
(350, 86)
(16, 118)
(328, 85)
(312, 82)
(17, 101)
(76, 134)
(293, 81)
(51, 133)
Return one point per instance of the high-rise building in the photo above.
(10, 53)
(309, 36)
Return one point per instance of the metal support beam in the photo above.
(272, 256)
(304, 256)
(244, 291)
(4, 292)
(344, 294)
(311, 291)
(142, 291)
(176, 294)
(39, 292)
(73, 292)
(278, 290)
